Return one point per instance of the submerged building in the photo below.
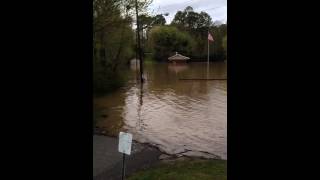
(177, 58)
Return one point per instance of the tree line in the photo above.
(187, 34)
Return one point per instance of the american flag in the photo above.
(210, 38)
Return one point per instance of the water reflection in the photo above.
(177, 67)
(140, 125)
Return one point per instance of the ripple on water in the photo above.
(189, 118)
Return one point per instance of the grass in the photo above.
(186, 170)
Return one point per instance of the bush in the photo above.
(116, 49)
(105, 81)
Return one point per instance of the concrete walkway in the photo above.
(107, 161)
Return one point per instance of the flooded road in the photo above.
(187, 117)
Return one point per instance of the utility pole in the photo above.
(136, 50)
(139, 45)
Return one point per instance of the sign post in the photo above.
(125, 142)
(123, 166)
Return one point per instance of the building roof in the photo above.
(178, 56)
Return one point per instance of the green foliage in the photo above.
(159, 20)
(191, 21)
(224, 43)
(187, 170)
(105, 80)
(147, 21)
(113, 40)
(166, 40)
(218, 33)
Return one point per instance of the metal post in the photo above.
(213, 51)
(208, 48)
(208, 56)
(139, 46)
(123, 166)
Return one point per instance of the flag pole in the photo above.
(208, 56)
(208, 48)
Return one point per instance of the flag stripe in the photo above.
(210, 38)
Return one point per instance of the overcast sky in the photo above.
(217, 9)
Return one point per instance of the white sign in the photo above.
(125, 141)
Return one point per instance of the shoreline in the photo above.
(168, 156)
(144, 158)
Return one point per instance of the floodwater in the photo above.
(187, 117)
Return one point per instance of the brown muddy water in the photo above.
(187, 117)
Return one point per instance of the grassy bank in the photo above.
(186, 170)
